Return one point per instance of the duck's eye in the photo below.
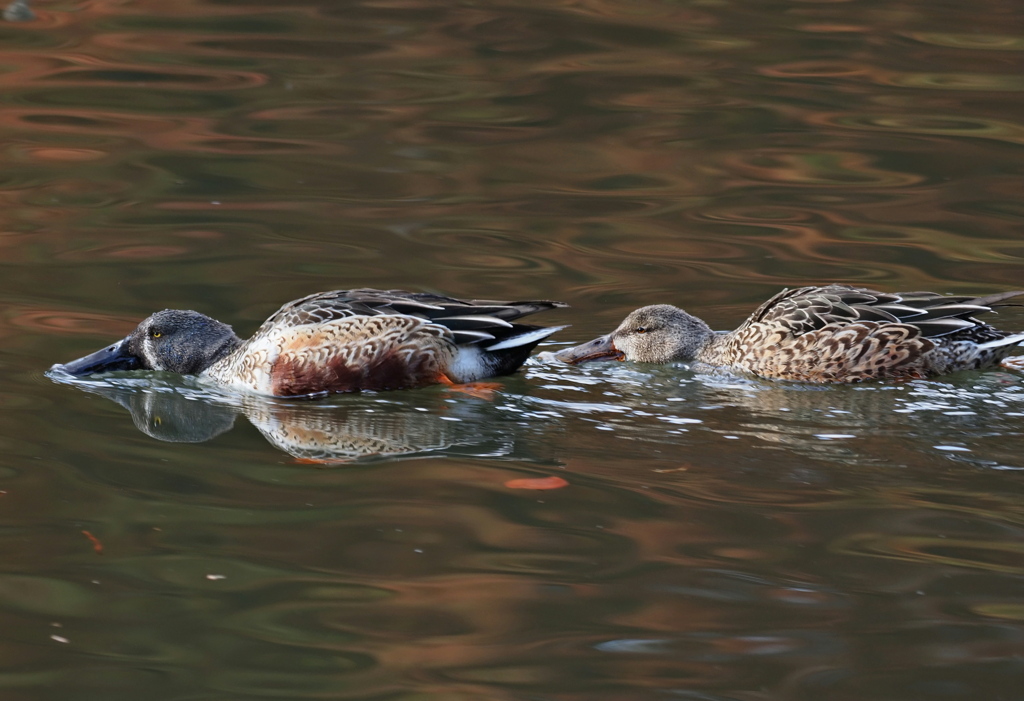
(155, 334)
(641, 329)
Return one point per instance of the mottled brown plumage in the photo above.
(338, 341)
(834, 333)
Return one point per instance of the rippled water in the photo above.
(719, 538)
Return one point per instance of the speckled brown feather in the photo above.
(361, 353)
(350, 340)
(845, 334)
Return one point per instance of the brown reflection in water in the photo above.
(64, 154)
(650, 123)
(64, 322)
(189, 134)
(428, 576)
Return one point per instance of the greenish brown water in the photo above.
(719, 539)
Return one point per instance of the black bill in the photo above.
(115, 357)
(601, 348)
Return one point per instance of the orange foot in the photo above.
(480, 390)
(1014, 363)
(322, 462)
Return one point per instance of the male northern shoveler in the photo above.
(834, 333)
(339, 341)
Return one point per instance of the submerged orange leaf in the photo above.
(537, 483)
(96, 544)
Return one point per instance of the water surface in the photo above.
(719, 538)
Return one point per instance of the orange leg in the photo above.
(1014, 363)
(321, 462)
(480, 390)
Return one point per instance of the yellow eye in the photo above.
(155, 334)
(157, 420)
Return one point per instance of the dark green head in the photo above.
(173, 340)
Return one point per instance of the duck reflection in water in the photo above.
(358, 428)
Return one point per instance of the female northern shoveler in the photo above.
(834, 333)
(339, 341)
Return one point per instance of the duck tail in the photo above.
(994, 300)
(504, 355)
(1011, 340)
(530, 337)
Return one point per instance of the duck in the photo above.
(820, 334)
(337, 341)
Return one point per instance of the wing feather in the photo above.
(472, 321)
(806, 309)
